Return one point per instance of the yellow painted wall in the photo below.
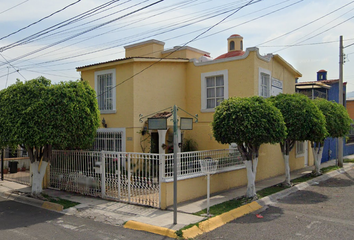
(197, 187)
(145, 50)
(183, 53)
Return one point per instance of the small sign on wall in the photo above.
(129, 139)
(277, 87)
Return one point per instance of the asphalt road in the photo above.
(19, 221)
(321, 211)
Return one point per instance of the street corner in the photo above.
(52, 206)
(150, 228)
(218, 221)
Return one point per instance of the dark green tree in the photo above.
(248, 122)
(41, 116)
(304, 121)
(337, 125)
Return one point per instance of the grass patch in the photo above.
(303, 178)
(270, 190)
(347, 160)
(329, 169)
(235, 203)
(65, 203)
(224, 207)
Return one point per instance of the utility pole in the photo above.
(341, 62)
(175, 146)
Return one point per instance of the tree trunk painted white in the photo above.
(317, 155)
(37, 178)
(251, 167)
(287, 170)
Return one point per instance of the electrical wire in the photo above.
(143, 70)
(294, 30)
(21, 29)
(14, 6)
(58, 25)
(17, 70)
(86, 31)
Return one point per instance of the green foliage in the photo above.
(248, 122)
(337, 118)
(304, 121)
(189, 145)
(37, 113)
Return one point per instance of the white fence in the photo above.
(22, 173)
(129, 177)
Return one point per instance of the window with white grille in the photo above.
(214, 89)
(105, 82)
(109, 140)
(264, 83)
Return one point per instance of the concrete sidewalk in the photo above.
(117, 213)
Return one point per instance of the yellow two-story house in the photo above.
(150, 80)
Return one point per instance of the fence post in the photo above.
(103, 174)
(161, 173)
(120, 161)
(129, 177)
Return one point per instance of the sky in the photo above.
(51, 38)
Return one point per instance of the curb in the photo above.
(150, 228)
(203, 227)
(32, 201)
(271, 199)
(220, 220)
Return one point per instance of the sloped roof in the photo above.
(129, 58)
(231, 54)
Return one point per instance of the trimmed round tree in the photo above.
(248, 122)
(40, 116)
(304, 121)
(337, 125)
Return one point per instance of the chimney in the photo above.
(321, 75)
(235, 43)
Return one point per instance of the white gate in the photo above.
(126, 177)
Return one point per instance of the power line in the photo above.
(160, 59)
(328, 29)
(86, 31)
(107, 48)
(40, 19)
(17, 70)
(317, 19)
(14, 6)
(58, 25)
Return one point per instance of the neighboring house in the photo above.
(350, 109)
(151, 80)
(328, 89)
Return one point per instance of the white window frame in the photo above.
(204, 76)
(121, 130)
(300, 152)
(263, 71)
(113, 72)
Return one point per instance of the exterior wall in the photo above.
(350, 108)
(145, 50)
(184, 53)
(330, 145)
(160, 87)
(197, 187)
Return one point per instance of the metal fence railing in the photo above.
(129, 177)
(17, 170)
(188, 162)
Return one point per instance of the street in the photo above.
(321, 211)
(21, 222)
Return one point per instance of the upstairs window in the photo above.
(214, 89)
(105, 82)
(264, 83)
